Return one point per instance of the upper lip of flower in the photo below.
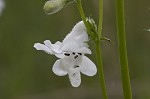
(75, 41)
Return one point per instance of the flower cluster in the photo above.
(71, 53)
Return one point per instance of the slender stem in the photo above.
(98, 51)
(100, 69)
(122, 49)
(100, 18)
(79, 5)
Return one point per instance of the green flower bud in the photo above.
(53, 6)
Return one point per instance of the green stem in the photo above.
(100, 69)
(98, 51)
(97, 42)
(122, 49)
(100, 18)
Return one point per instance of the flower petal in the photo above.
(85, 50)
(75, 78)
(42, 47)
(83, 37)
(76, 40)
(60, 55)
(88, 67)
(58, 68)
(48, 43)
(78, 34)
(70, 46)
(54, 47)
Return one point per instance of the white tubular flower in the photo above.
(2, 6)
(71, 52)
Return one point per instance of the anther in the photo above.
(76, 66)
(73, 53)
(75, 56)
(80, 53)
(66, 54)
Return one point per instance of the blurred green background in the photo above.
(25, 73)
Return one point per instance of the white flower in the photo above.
(2, 6)
(71, 52)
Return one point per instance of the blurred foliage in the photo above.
(25, 73)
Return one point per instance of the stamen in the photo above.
(76, 66)
(66, 54)
(75, 56)
(80, 53)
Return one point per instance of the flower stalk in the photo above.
(100, 69)
(122, 49)
(97, 43)
(100, 18)
(98, 51)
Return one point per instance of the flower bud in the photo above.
(53, 6)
